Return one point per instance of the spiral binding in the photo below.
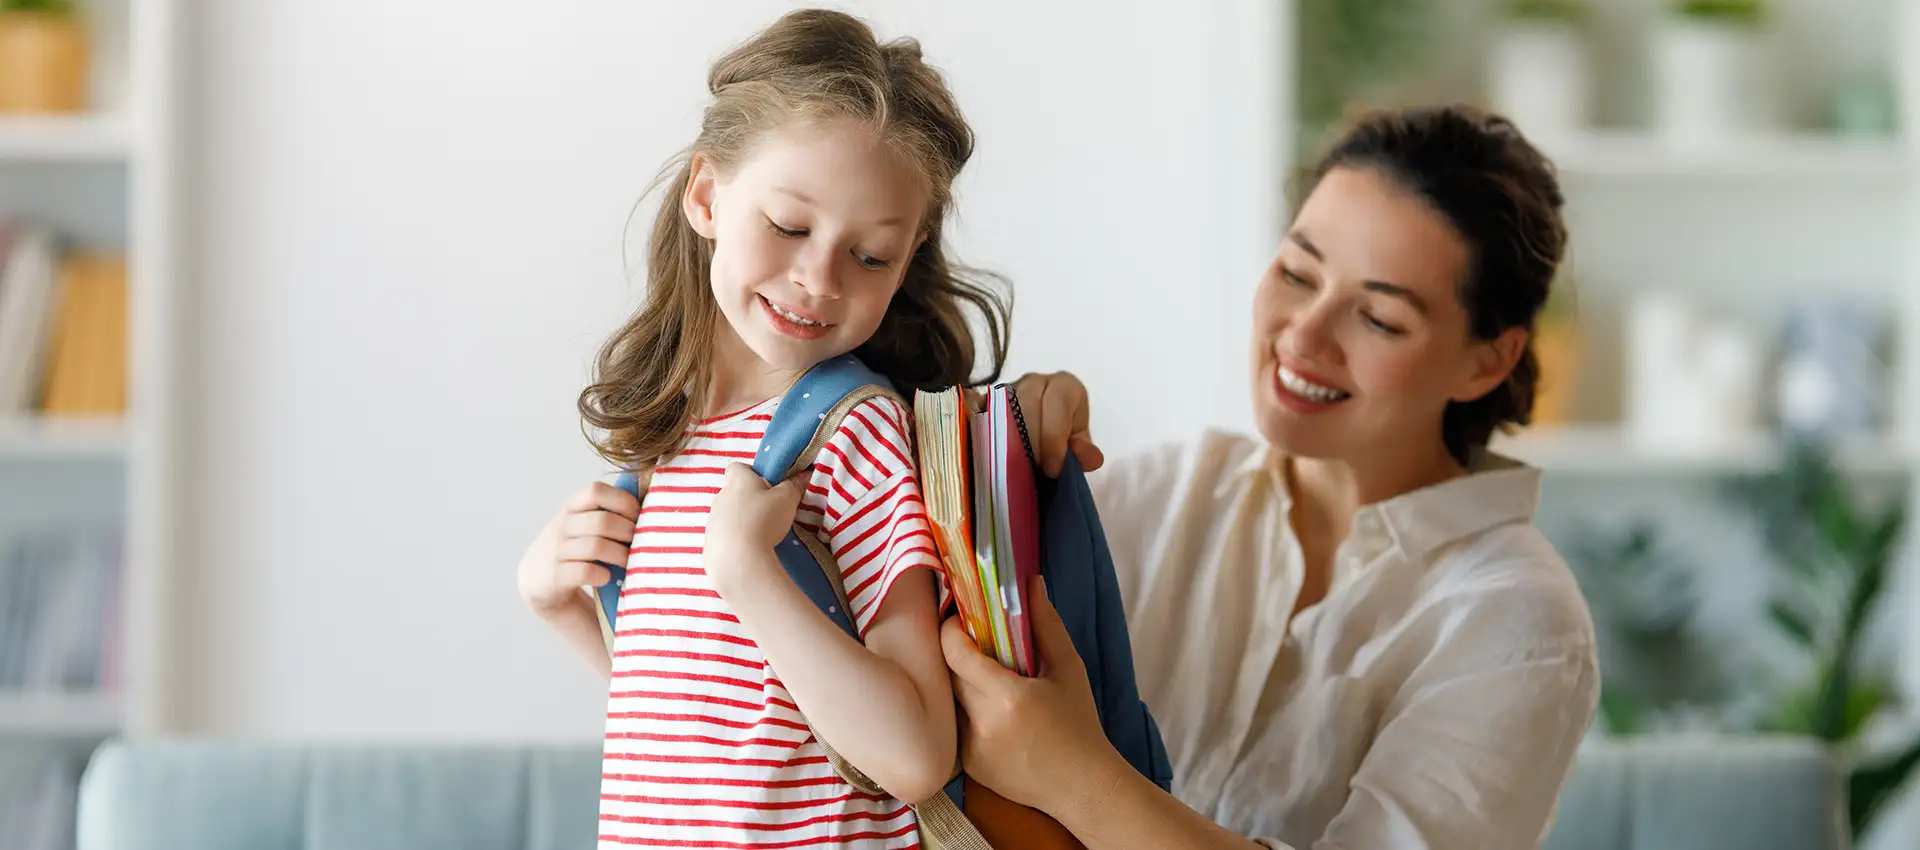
(1013, 401)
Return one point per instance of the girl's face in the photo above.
(1360, 339)
(812, 235)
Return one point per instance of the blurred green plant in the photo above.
(41, 7)
(1723, 11)
(1548, 10)
(1838, 553)
(1835, 551)
(1352, 50)
(1645, 601)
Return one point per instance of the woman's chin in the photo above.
(1311, 436)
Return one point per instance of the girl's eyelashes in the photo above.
(866, 261)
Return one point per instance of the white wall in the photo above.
(406, 232)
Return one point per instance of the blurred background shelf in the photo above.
(1781, 157)
(62, 714)
(80, 138)
(1610, 450)
(36, 437)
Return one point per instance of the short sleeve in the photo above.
(864, 501)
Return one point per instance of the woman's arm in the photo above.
(1473, 754)
(1037, 741)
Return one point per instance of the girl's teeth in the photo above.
(1307, 389)
(791, 317)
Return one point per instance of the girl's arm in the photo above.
(886, 705)
(594, 526)
(579, 626)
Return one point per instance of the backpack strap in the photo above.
(806, 416)
(607, 596)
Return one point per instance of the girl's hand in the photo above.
(748, 516)
(1055, 408)
(1038, 741)
(595, 524)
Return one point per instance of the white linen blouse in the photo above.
(1434, 699)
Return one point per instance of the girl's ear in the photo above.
(697, 203)
(1493, 360)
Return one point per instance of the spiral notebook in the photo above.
(978, 479)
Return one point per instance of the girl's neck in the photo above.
(739, 379)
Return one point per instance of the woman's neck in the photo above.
(739, 379)
(1329, 491)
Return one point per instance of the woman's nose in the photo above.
(1309, 331)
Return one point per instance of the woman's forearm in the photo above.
(1122, 810)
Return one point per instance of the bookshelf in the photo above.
(86, 492)
(84, 138)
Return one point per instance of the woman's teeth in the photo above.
(793, 318)
(1307, 389)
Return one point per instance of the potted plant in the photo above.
(1538, 73)
(44, 54)
(1711, 72)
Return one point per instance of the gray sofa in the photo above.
(1678, 794)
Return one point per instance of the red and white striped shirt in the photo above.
(705, 748)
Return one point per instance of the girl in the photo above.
(803, 224)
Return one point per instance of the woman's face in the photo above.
(1359, 334)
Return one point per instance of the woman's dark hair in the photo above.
(1503, 198)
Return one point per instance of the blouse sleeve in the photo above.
(1474, 748)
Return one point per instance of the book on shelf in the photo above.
(63, 326)
(59, 601)
(39, 784)
(979, 482)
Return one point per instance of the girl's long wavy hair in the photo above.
(650, 379)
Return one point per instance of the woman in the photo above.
(1349, 630)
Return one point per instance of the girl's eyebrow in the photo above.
(804, 198)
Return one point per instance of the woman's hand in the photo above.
(1055, 408)
(1037, 741)
(595, 526)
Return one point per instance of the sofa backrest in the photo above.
(1666, 794)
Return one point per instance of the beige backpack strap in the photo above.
(942, 825)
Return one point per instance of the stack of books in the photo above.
(979, 481)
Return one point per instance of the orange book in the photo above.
(86, 373)
(946, 477)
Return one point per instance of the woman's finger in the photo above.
(1064, 420)
(1061, 659)
(1090, 455)
(964, 657)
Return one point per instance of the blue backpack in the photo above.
(1075, 561)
